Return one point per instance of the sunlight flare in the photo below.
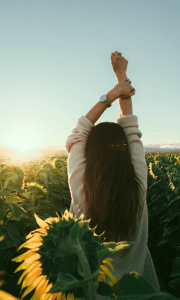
(24, 139)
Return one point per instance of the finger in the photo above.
(112, 54)
(133, 92)
(128, 80)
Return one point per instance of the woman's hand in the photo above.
(119, 65)
(123, 90)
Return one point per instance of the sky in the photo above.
(55, 65)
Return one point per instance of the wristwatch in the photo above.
(104, 99)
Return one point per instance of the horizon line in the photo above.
(64, 148)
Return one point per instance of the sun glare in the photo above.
(23, 140)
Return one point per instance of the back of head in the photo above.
(110, 187)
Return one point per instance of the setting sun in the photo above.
(24, 139)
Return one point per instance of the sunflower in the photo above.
(65, 260)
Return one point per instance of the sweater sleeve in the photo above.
(130, 125)
(75, 146)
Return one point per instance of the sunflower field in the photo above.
(46, 253)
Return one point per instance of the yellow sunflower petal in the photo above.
(7, 296)
(71, 297)
(31, 277)
(34, 242)
(28, 260)
(59, 297)
(36, 236)
(43, 284)
(40, 222)
(2, 237)
(24, 265)
(33, 233)
(41, 289)
(23, 256)
(33, 266)
(52, 296)
(108, 262)
(112, 281)
(31, 287)
(48, 287)
(38, 232)
(33, 245)
(33, 257)
(43, 230)
(36, 264)
(51, 220)
(62, 296)
(106, 271)
(37, 295)
(102, 276)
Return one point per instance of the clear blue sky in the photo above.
(55, 65)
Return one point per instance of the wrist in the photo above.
(111, 96)
(125, 107)
(120, 76)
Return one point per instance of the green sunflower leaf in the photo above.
(66, 282)
(135, 284)
(104, 289)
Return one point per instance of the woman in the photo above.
(107, 176)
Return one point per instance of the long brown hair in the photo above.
(110, 186)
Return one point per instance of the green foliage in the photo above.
(47, 167)
(29, 172)
(163, 195)
(43, 189)
(11, 176)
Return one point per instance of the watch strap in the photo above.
(106, 101)
(108, 104)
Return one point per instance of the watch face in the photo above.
(103, 97)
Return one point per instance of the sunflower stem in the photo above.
(89, 288)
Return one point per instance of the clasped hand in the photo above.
(123, 89)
